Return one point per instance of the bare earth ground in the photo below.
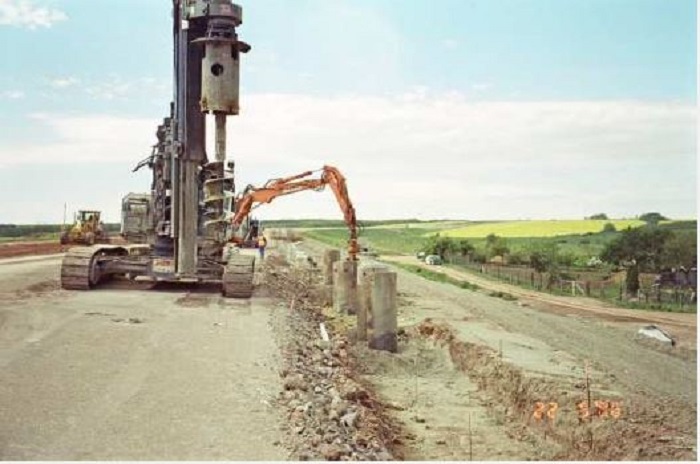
(176, 373)
(515, 353)
(39, 248)
(682, 325)
(14, 249)
(133, 374)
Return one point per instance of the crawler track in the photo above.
(237, 281)
(77, 269)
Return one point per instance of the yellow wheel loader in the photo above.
(86, 230)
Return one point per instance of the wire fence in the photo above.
(594, 284)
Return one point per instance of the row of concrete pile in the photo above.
(368, 291)
(365, 289)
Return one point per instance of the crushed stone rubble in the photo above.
(331, 415)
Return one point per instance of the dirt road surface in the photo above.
(172, 373)
(116, 374)
(529, 350)
(14, 249)
(544, 341)
(682, 325)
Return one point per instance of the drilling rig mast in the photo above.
(192, 194)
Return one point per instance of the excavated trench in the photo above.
(635, 431)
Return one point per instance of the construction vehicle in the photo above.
(191, 193)
(193, 203)
(253, 197)
(136, 218)
(87, 229)
(248, 229)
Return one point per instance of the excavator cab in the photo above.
(88, 217)
(248, 233)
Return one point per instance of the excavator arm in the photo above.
(253, 197)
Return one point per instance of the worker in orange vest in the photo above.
(262, 243)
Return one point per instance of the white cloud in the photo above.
(481, 86)
(119, 88)
(427, 155)
(449, 43)
(83, 139)
(12, 94)
(64, 82)
(24, 13)
(110, 90)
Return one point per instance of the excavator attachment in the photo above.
(253, 197)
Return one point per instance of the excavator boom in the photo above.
(253, 197)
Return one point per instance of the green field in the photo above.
(574, 248)
(384, 240)
(572, 252)
(552, 228)
(411, 240)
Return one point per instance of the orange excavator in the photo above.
(253, 197)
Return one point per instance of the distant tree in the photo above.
(609, 227)
(638, 249)
(499, 248)
(543, 257)
(491, 239)
(681, 249)
(519, 257)
(599, 217)
(652, 218)
(632, 280)
(478, 256)
(464, 247)
(441, 246)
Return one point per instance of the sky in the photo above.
(432, 109)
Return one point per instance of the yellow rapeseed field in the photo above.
(538, 228)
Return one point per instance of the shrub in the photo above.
(609, 227)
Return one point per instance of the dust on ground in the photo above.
(128, 374)
(441, 410)
(519, 355)
(683, 325)
(168, 373)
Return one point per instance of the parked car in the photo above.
(433, 260)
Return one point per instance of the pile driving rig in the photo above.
(191, 195)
